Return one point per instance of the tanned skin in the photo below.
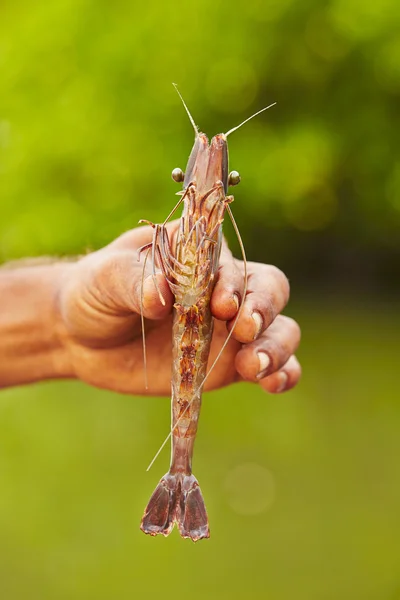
(81, 320)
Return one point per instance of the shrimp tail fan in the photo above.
(176, 499)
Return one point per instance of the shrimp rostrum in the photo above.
(190, 266)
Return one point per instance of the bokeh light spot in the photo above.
(250, 489)
(361, 20)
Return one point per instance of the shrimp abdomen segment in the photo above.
(177, 499)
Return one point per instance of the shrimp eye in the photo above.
(234, 178)
(178, 175)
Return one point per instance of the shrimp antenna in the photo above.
(239, 312)
(187, 110)
(248, 119)
(146, 383)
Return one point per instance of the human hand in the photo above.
(99, 322)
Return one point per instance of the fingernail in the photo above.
(259, 323)
(283, 379)
(264, 361)
(235, 298)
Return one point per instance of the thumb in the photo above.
(120, 284)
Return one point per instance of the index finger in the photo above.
(267, 295)
(229, 288)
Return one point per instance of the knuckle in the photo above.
(292, 326)
(294, 370)
(105, 271)
(270, 311)
(230, 275)
(282, 282)
(275, 353)
(296, 365)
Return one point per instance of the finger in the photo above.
(284, 379)
(116, 285)
(228, 290)
(267, 295)
(270, 352)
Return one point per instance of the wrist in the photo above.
(32, 346)
(60, 364)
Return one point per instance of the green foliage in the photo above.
(90, 126)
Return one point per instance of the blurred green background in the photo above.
(303, 490)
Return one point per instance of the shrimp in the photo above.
(190, 266)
